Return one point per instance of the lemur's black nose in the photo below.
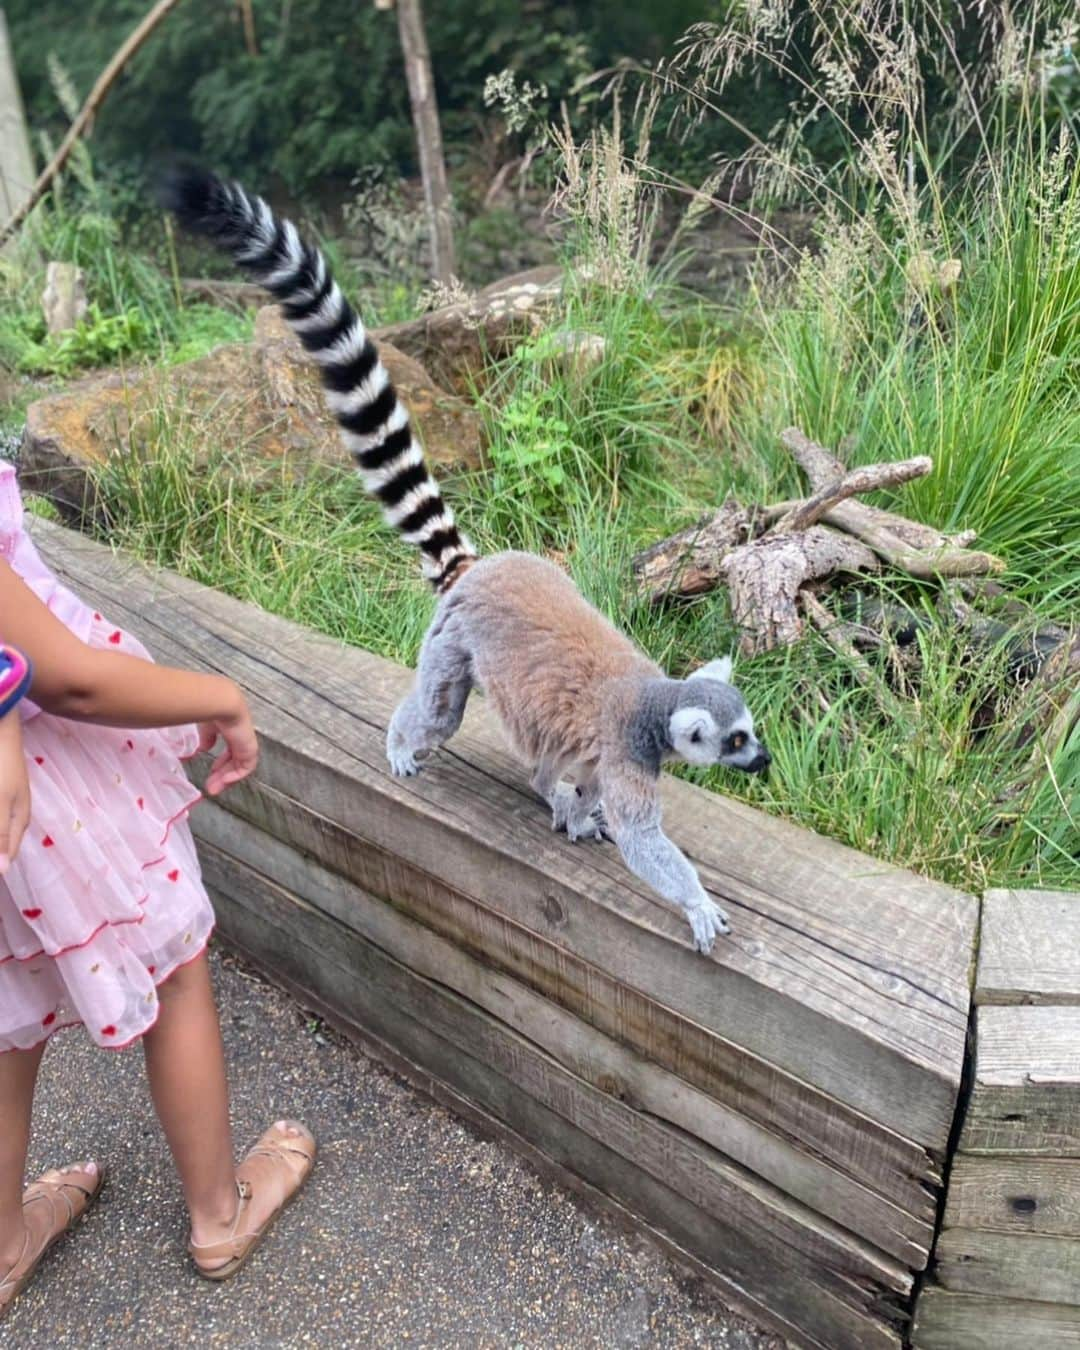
(761, 761)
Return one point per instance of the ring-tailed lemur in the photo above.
(578, 700)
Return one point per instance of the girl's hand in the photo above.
(241, 752)
(14, 789)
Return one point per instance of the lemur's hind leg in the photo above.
(432, 711)
(575, 808)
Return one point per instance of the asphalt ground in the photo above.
(413, 1231)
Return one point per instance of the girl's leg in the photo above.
(18, 1074)
(186, 1066)
(185, 1063)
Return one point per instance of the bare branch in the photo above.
(870, 478)
(105, 81)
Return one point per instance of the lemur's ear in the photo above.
(720, 669)
(692, 723)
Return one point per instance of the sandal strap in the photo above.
(230, 1246)
(54, 1190)
(11, 1280)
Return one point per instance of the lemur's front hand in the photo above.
(707, 920)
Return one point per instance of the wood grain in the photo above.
(1016, 1195)
(834, 1291)
(1025, 1095)
(597, 1058)
(1029, 951)
(731, 1077)
(1009, 1265)
(949, 1321)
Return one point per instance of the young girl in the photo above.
(103, 917)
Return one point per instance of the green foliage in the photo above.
(325, 93)
(96, 340)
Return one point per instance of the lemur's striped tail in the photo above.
(374, 423)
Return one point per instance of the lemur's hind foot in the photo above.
(577, 813)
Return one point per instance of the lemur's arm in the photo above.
(632, 814)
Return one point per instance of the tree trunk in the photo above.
(425, 113)
(16, 160)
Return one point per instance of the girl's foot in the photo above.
(51, 1207)
(267, 1180)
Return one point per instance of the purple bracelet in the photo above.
(16, 673)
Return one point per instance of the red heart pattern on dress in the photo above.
(48, 1019)
(39, 759)
(110, 1030)
(114, 638)
(174, 875)
(32, 913)
(47, 842)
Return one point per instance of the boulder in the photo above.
(456, 341)
(263, 396)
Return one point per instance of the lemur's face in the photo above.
(713, 725)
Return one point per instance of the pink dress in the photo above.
(104, 899)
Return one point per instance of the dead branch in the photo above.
(870, 478)
(919, 550)
(105, 82)
(764, 578)
(690, 563)
(820, 465)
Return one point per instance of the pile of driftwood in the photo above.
(777, 562)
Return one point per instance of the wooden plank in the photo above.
(843, 971)
(737, 1298)
(948, 1321)
(828, 1287)
(592, 1056)
(1029, 950)
(1009, 1265)
(733, 1079)
(1015, 1195)
(1025, 1095)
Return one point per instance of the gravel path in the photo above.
(414, 1230)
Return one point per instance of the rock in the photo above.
(575, 353)
(64, 298)
(263, 396)
(455, 342)
(238, 296)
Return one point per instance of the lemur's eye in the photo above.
(695, 737)
(738, 740)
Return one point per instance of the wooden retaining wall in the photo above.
(1007, 1267)
(779, 1111)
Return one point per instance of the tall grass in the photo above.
(936, 313)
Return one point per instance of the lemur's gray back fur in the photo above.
(374, 424)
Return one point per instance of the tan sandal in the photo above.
(52, 1187)
(278, 1159)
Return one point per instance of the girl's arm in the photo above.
(88, 685)
(14, 788)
